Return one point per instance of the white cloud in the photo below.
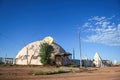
(103, 31)
(86, 24)
(97, 18)
(118, 26)
(105, 24)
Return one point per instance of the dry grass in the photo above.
(49, 72)
(26, 73)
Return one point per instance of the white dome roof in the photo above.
(32, 50)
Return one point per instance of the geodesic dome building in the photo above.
(29, 55)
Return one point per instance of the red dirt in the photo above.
(26, 73)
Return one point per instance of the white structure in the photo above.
(85, 58)
(116, 62)
(29, 55)
(97, 60)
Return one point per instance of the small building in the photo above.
(62, 59)
(107, 62)
(86, 62)
(75, 62)
(8, 60)
(1, 60)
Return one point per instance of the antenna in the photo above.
(6, 55)
(80, 49)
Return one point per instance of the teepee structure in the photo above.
(97, 60)
(29, 55)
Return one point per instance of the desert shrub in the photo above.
(45, 53)
(60, 70)
(48, 72)
(38, 72)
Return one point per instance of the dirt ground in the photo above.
(26, 73)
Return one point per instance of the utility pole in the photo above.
(6, 58)
(80, 50)
(73, 54)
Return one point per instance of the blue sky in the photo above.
(25, 21)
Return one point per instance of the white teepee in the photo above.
(97, 60)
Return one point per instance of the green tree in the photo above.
(45, 53)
